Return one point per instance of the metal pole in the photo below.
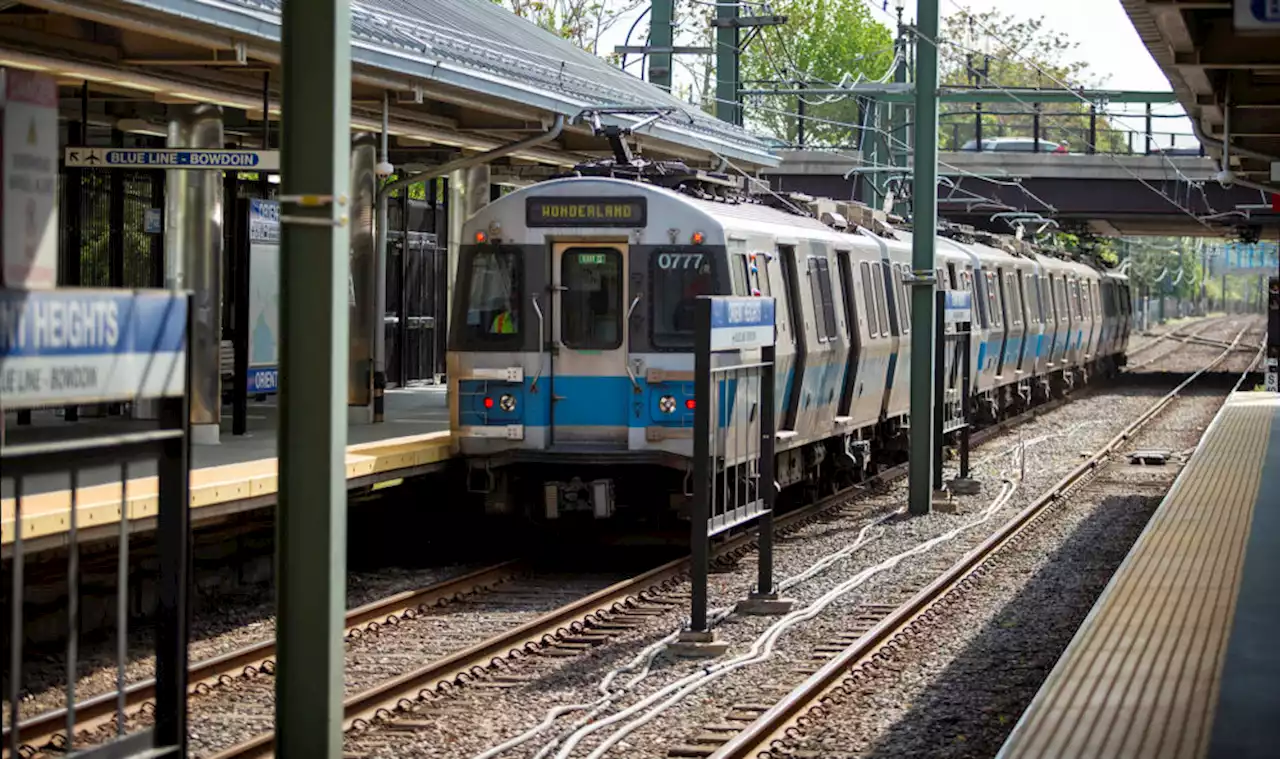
(899, 147)
(1093, 130)
(238, 210)
(661, 36)
(311, 515)
(939, 380)
(768, 489)
(800, 116)
(1035, 129)
(727, 85)
(699, 547)
(924, 222)
(966, 374)
(380, 278)
(1148, 120)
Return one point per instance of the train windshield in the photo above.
(491, 278)
(678, 279)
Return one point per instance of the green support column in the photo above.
(869, 141)
(900, 140)
(311, 519)
(727, 106)
(661, 37)
(925, 221)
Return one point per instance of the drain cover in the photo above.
(1150, 458)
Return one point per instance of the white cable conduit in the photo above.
(762, 647)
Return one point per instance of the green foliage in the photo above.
(1102, 250)
(1041, 58)
(1152, 256)
(580, 21)
(822, 41)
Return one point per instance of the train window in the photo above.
(493, 278)
(978, 290)
(993, 300)
(873, 323)
(1012, 300)
(846, 287)
(591, 303)
(741, 274)
(904, 298)
(878, 272)
(815, 289)
(678, 279)
(1032, 298)
(828, 299)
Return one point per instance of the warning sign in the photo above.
(30, 169)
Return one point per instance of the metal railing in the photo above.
(147, 360)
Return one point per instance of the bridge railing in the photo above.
(792, 122)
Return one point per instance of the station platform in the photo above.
(238, 474)
(1177, 660)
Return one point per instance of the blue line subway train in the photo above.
(571, 360)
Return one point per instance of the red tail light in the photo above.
(1060, 149)
(691, 404)
(488, 403)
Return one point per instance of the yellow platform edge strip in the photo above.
(47, 514)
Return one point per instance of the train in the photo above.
(570, 357)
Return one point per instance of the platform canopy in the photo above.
(1226, 76)
(462, 75)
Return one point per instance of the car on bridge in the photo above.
(1014, 145)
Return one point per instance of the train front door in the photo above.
(590, 385)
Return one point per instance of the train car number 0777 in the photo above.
(679, 260)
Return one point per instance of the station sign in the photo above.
(264, 297)
(1257, 15)
(70, 346)
(172, 158)
(30, 180)
(741, 323)
(957, 307)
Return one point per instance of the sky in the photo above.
(1107, 40)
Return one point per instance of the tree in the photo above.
(1022, 53)
(823, 43)
(580, 21)
(1157, 261)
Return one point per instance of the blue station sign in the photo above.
(169, 158)
(741, 323)
(90, 346)
(957, 307)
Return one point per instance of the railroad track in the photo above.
(577, 626)
(50, 728)
(765, 729)
(580, 625)
(1180, 339)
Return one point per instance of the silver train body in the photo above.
(572, 335)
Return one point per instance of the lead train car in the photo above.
(570, 350)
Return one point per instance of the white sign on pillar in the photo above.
(30, 180)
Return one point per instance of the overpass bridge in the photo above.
(1112, 194)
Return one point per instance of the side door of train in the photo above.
(589, 381)
(863, 394)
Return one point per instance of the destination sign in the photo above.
(586, 212)
(741, 323)
(169, 158)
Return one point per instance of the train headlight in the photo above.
(667, 404)
(507, 403)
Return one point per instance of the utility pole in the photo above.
(924, 223)
(311, 519)
(661, 40)
(728, 106)
(900, 144)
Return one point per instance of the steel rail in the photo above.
(383, 699)
(99, 710)
(770, 727)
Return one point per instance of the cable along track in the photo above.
(771, 727)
